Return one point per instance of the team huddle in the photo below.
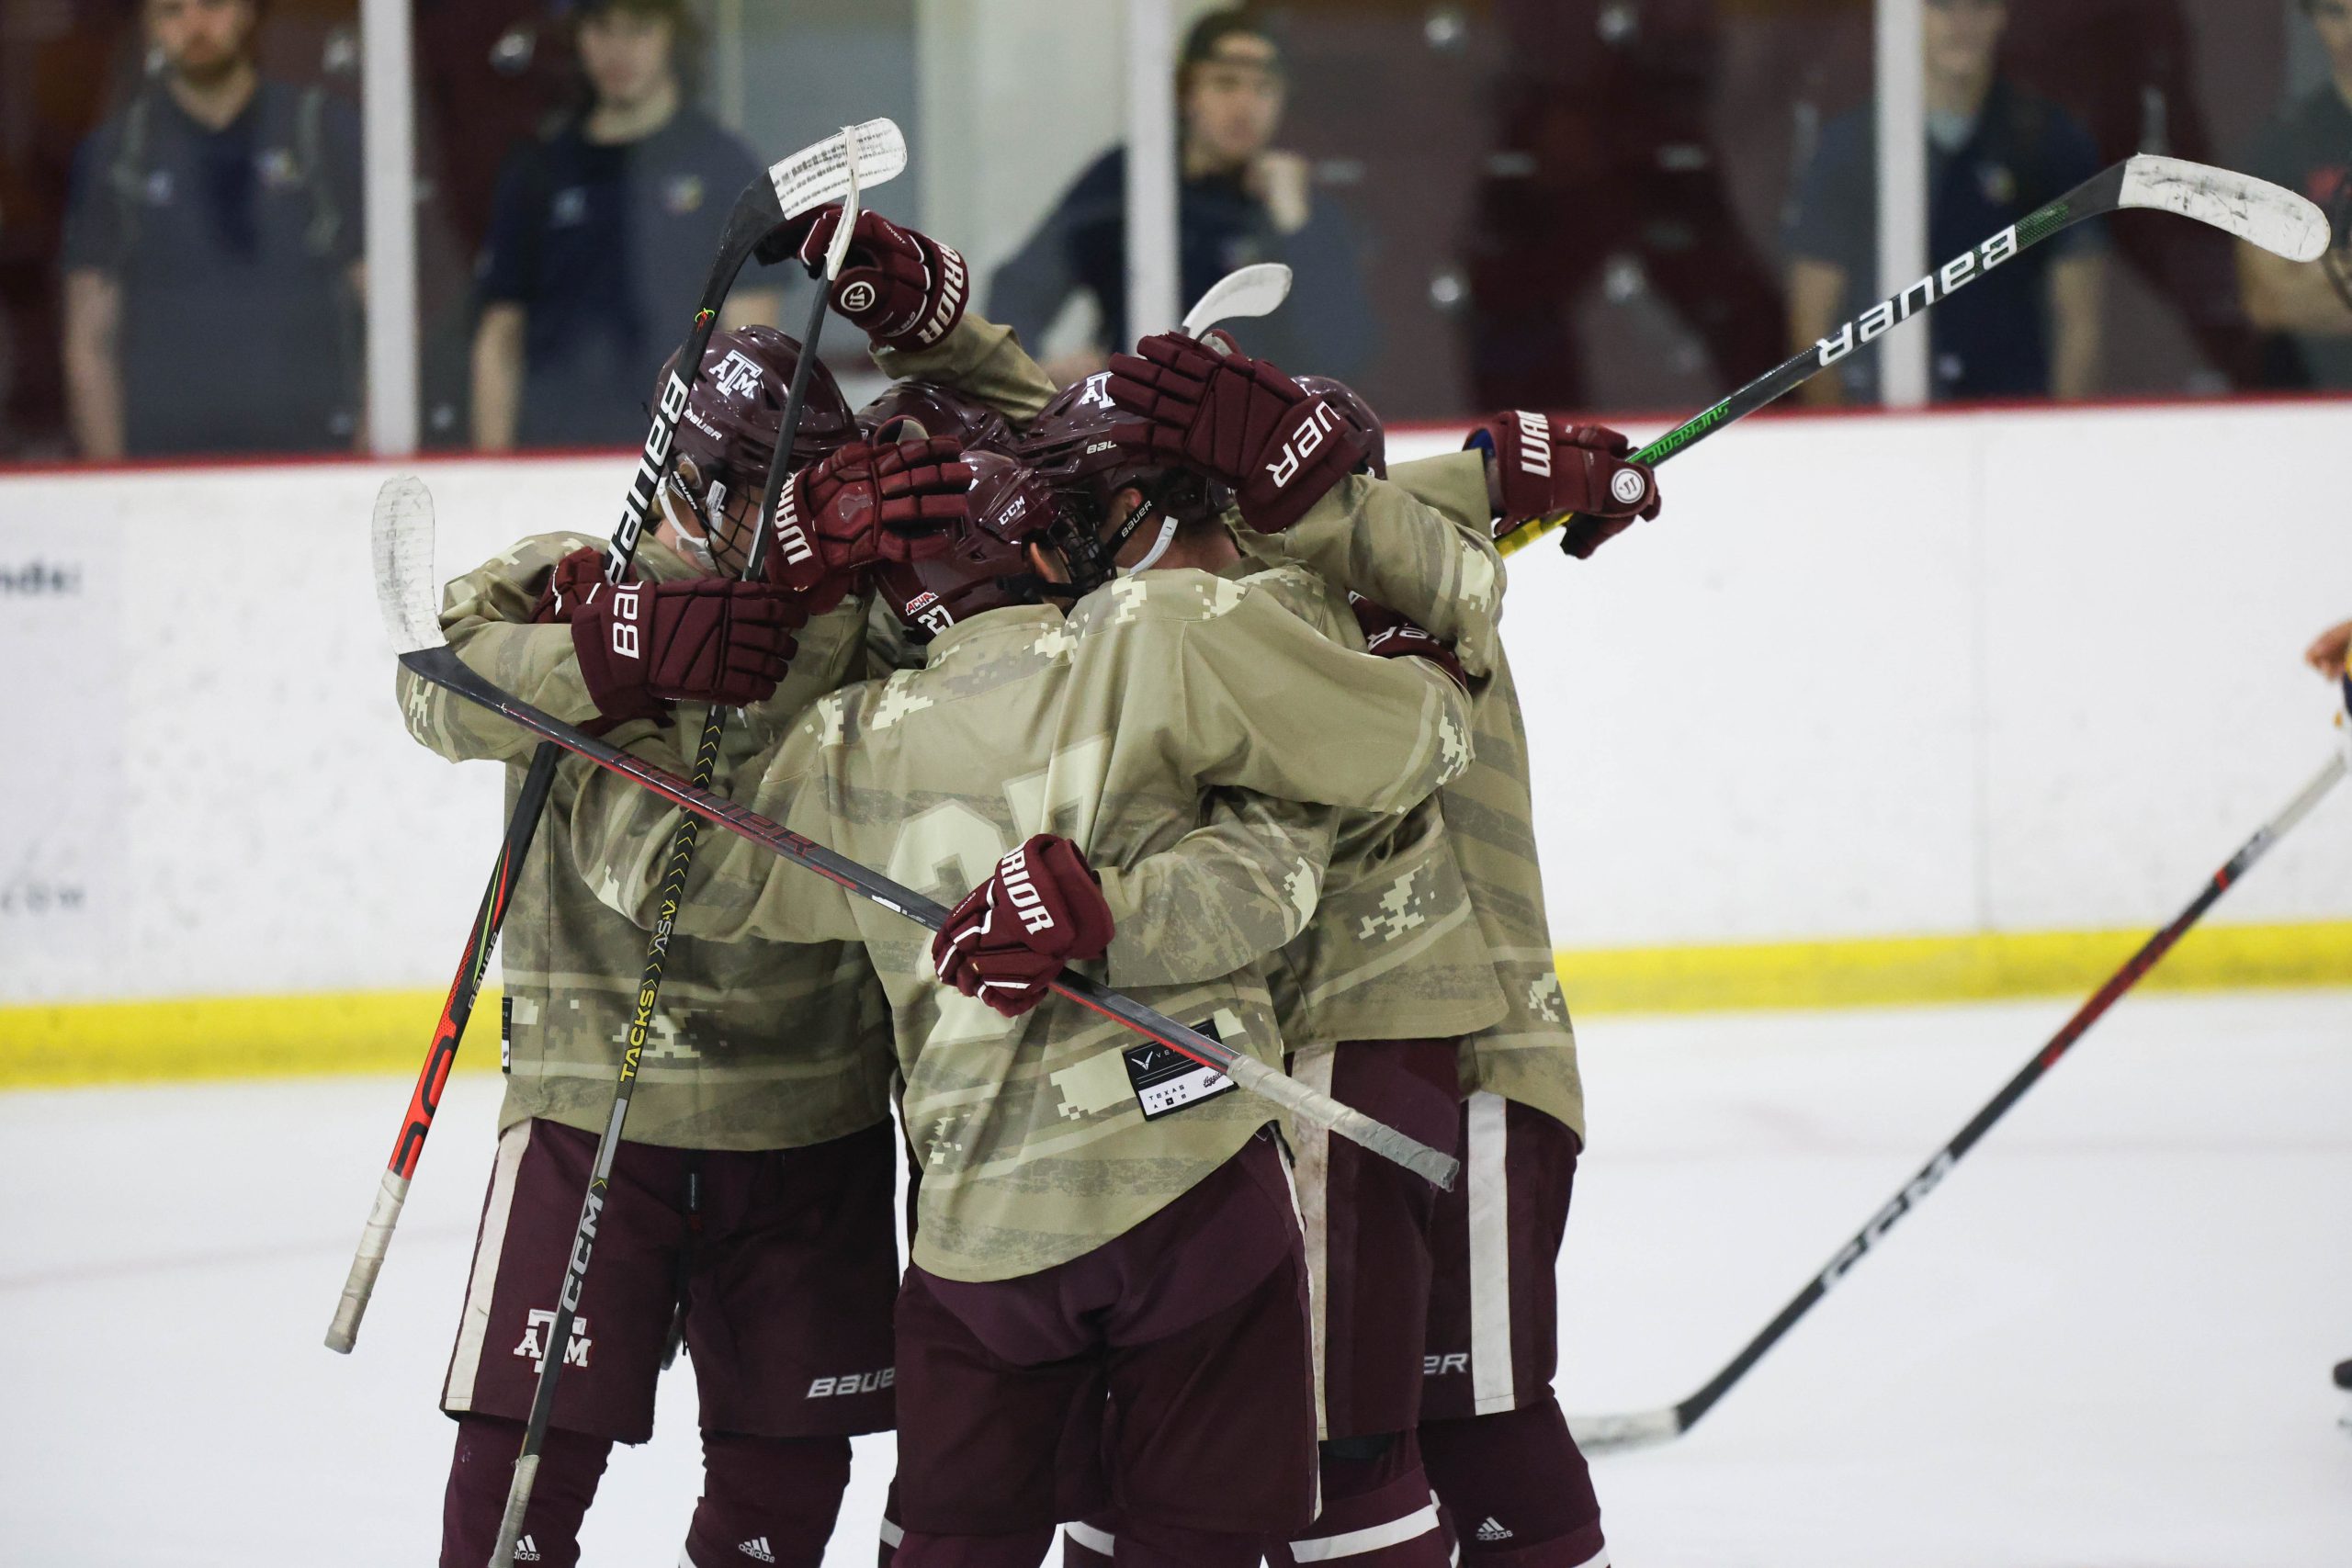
(1166, 677)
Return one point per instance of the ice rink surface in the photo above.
(2103, 1343)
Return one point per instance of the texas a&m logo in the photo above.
(534, 1347)
(735, 375)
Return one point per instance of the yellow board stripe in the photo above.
(234, 1037)
(386, 1032)
(1897, 971)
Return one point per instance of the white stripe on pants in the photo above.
(1486, 1161)
(459, 1393)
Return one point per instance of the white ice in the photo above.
(2103, 1343)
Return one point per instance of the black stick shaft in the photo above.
(649, 988)
(1932, 1173)
(754, 215)
(2099, 193)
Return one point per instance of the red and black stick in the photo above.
(1646, 1427)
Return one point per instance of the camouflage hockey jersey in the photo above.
(983, 361)
(755, 1045)
(1105, 725)
(1394, 949)
(1530, 1054)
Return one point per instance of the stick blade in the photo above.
(1622, 1434)
(2255, 211)
(820, 172)
(407, 593)
(1253, 290)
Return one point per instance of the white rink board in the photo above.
(1866, 676)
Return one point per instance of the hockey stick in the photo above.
(405, 591)
(672, 894)
(2255, 211)
(818, 173)
(1253, 290)
(1601, 1434)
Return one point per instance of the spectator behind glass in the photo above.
(2308, 148)
(600, 239)
(1994, 152)
(213, 256)
(1240, 200)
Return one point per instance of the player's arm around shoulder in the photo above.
(621, 834)
(981, 359)
(487, 616)
(1264, 700)
(1226, 895)
(1434, 564)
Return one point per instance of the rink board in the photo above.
(1877, 701)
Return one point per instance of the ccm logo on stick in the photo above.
(1958, 271)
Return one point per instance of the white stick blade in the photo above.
(407, 593)
(1253, 290)
(2255, 211)
(1616, 1434)
(820, 172)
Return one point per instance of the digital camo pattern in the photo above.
(755, 1045)
(1530, 1054)
(1399, 548)
(1393, 950)
(1107, 726)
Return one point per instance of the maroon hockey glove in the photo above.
(709, 640)
(574, 578)
(1543, 466)
(861, 505)
(1391, 635)
(1236, 419)
(1041, 907)
(906, 289)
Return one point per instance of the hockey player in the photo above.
(1497, 1447)
(751, 1203)
(1095, 1288)
(1493, 1440)
(1391, 971)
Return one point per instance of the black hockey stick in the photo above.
(405, 590)
(2255, 211)
(1600, 1434)
(672, 892)
(810, 177)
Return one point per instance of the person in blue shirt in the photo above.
(2028, 329)
(213, 256)
(600, 239)
(1240, 200)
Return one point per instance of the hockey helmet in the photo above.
(934, 410)
(726, 437)
(1070, 445)
(986, 564)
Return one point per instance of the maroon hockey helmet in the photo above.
(726, 437)
(1359, 415)
(1070, 445)
(986, 564)
(735, 409)
(934, 409)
